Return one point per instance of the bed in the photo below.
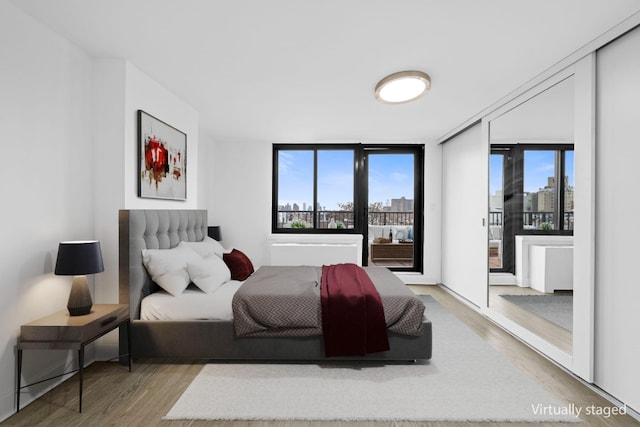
(213, 339)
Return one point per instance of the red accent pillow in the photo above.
(239, 264)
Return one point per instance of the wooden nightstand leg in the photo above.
(19, 379)
(80, 372)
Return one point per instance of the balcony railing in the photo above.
(390, 218)
(535, 220)
(495, 218)
(341, 219)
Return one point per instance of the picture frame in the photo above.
(162, 159)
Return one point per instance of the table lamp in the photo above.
(78, 259)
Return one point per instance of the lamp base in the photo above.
(80, 302)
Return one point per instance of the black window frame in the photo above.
(357, 149)
(513, 192)
(360, 197)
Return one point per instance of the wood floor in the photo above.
(115, 397)
(554, 334)
(495, 260)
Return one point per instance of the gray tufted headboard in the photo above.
(151, 229)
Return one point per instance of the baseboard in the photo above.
(502, 279)
(414, 278)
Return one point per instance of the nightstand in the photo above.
(60, 331)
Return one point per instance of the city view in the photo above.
(394, 212)
(390, 182)
(539, 197)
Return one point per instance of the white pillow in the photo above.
(206, 247)
(209, 273)
(168, 267)
(401, 233)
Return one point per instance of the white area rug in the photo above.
(466, 380)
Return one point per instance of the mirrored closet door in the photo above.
(531, 213)
(532, 216)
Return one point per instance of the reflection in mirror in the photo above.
(531, 214)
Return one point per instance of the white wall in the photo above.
(465, 160)
(144, 93)
(432, 217)
(46, 175)
(120, 90)
(109, 174)
(68, 128)
(206, 152)
(617, 369)
(240, 201)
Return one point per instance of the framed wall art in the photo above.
(162, 159)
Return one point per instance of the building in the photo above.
(546, 199)
(402, 205)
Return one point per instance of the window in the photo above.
(540, 198)
(373, 190)
(531, 192)
(569, 182)
(547, 198)
(315, 188)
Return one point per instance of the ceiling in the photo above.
(301, 70)
(546, 118)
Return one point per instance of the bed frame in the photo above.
(210, 339)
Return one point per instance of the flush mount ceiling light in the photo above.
(403, 86)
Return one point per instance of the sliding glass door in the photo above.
(394, 206)
(373, 190)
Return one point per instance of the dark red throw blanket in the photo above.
(352, 315)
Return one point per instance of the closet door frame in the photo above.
(581, 361)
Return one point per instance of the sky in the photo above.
(539, 165)
(390, 176)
